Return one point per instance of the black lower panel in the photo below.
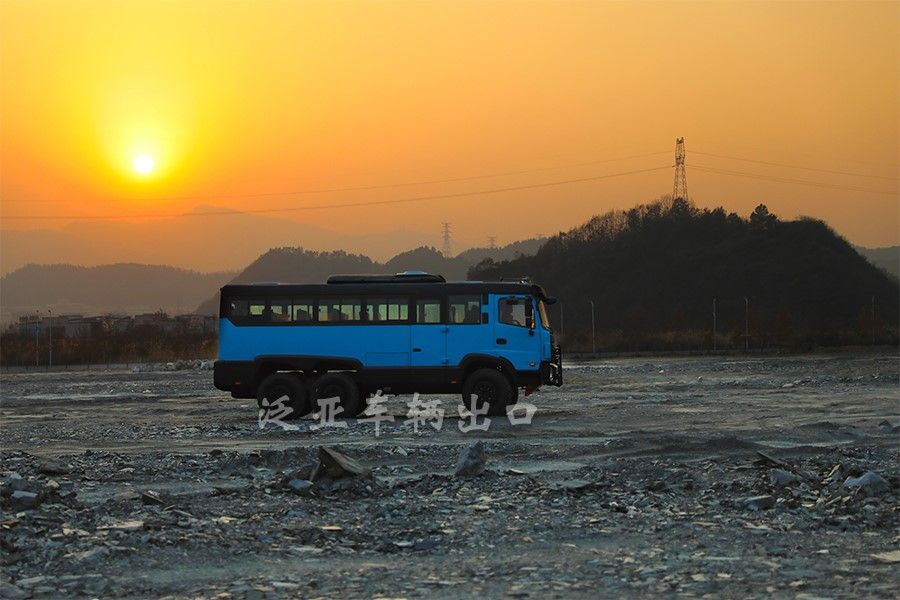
(242, 377)
(236, 376)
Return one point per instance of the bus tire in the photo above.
(340, 385)
(279, 385)
(490, 387)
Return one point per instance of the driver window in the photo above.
(515, 311)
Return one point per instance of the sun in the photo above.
(144, 164)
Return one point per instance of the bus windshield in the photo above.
(545, 319)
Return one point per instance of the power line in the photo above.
(382, 186)
(775, 164)
(342, 205)
(788, 180)
(842, 160)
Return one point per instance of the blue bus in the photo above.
(404, 333)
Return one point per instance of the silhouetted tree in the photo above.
(761, 218)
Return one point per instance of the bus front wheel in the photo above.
(490, 387)
(286, 388)
(341, 386)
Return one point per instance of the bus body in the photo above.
(404, 333)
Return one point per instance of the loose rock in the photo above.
(8, 590)
(870, 482)
(151, 497)
(52, 467)
(14, 483)
(782, 478)
(335, 465)
(471, 460)
(888, 427)
(302, 487)
(758, 502)
(23, 499)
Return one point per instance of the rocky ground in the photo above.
(694, 477)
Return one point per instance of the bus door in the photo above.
(471, 330)
(428, 339)
(516, 337)
(386, 335)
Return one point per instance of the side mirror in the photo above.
(550, 300)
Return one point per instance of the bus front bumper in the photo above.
(551, 370)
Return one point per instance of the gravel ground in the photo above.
(738, 477)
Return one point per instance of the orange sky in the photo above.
(244, 98)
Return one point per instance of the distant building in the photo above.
(29, 325)
(190, 323)
(159, 321)
(81, 327)
(118, 325)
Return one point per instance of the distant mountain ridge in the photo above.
(299, 265)
(123, 288)
(887, 258)
(204, 244)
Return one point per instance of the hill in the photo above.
(207, 244)
(653, 272)
(204, 244)
(886, 259)
(122, 288)
(299, 265)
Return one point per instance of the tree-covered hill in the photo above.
(654, 271)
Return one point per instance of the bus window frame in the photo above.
(265, 320)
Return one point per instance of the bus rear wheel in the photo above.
(341, 386)
(285, 387)
(490, 387)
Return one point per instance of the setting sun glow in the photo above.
(143, 108)
(144, 164)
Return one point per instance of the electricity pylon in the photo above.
(446, 229)
(679, 190)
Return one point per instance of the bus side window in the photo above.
(387, 309)
(241, 308)
(257, 308)
(465, 309)
(302, 310)
(280, 310)
(340, 309)
(428, 311)
(238, 308)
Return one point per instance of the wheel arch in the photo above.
(472, 362)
